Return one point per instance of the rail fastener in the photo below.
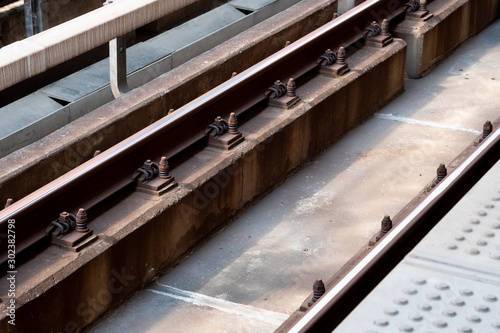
(224, 134)
(281, 95)
(441, 172)
(378, 35)
(333, 65)
(318, 291)
(154, 178)
(417, 10)
(487, 129)
(71, 231)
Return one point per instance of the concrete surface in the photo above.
(308, 227)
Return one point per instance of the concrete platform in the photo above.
(308, 227)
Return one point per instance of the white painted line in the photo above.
(270, 317)
(389, 116)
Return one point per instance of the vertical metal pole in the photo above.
(28, 17)
(37, 18)
(118, 63)
(118, 66)
(33, 17)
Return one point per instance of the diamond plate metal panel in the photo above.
(469, 235)
(416, 299)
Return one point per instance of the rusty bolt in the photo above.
(290, 88)
(335, 15)
(148, 165)
(287, 43)
(218, 121)
(234, 74)
(233, 124)
(423, 4)
(64, 217)
(327, 59)
(97, 152)
(385, 28)
(164, 168)
(9, 202)
(277, 90)
(149, 170)
(487, 129)
(171, 111)
(81, 221)
(341, 56)
(441, 172)
(386, 225)
(318, 291)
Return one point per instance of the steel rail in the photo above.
(330, 310)
(110, 171)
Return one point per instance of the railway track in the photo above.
(115, 169)
(112, 170)
(334, 306)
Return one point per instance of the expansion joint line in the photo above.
(250, 312)
(389, 116)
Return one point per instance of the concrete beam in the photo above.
(454, 21)
(34, 55)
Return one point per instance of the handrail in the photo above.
(34, 55)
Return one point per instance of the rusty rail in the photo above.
(330, 310)
(107, 173)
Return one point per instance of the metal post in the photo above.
(118, 66)
(33, 17)
(118, 63)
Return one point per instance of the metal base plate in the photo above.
(75, 240)
(335, 70)
(419, 15)
(285, 102)
(226, 141)
(157, 186)
(379, 41)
